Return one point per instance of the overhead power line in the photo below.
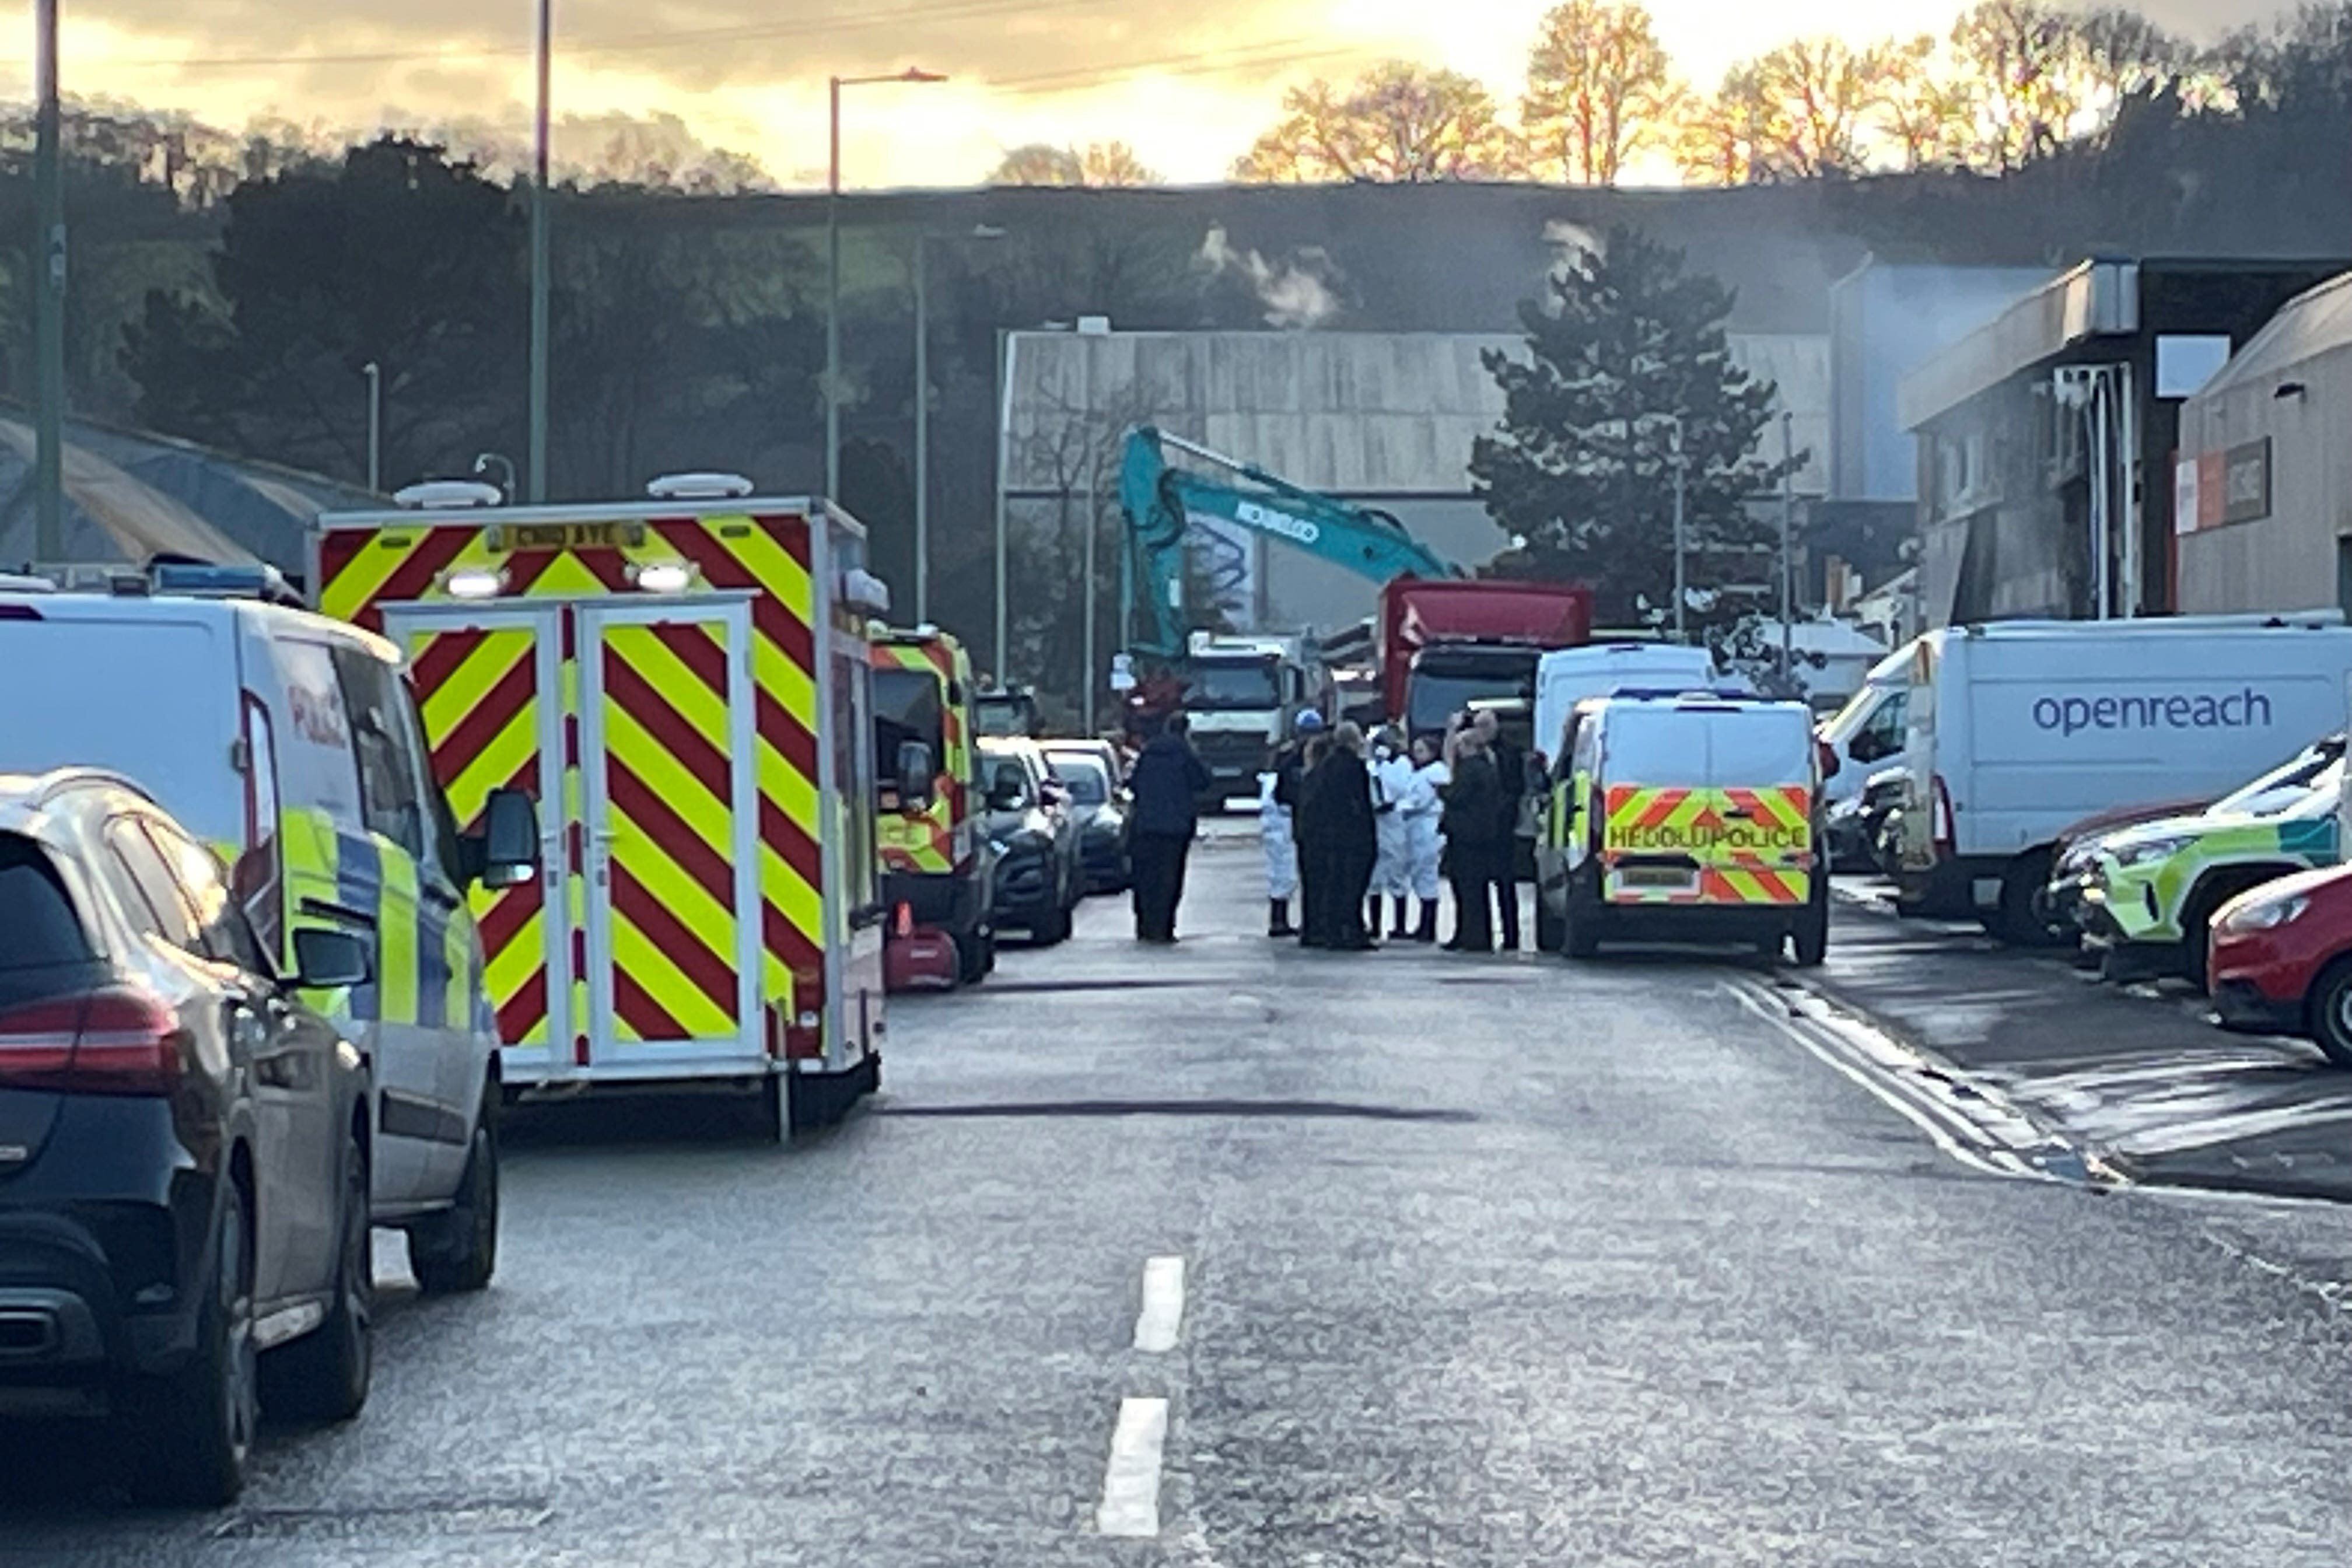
(1078, 77)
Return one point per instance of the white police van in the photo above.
(2015, 730)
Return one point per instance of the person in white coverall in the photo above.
(1277, 793)
(1392, 869)
(1420, 806)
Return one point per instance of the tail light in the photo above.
(1942, 819)
(906, 922)
(805, 1025)
(114, 1040)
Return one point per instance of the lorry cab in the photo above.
(1686, 818)
(1240, 693)
(935, 856)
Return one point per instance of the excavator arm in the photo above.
(1161, 503)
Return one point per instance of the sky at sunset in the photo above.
(1188, 87)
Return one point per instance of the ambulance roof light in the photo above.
(861, 590)
(699, 486)
(447, 495)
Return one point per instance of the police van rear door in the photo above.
(1707, 804)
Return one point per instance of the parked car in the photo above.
(184, 1144)
(2279, 960)
(1039, 876)
(1856, 823)
(2074, 858)
(2155, 887)
(1099, 798)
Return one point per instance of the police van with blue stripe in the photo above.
(289, 743)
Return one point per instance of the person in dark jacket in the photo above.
(1478, 836)
(1166, 786)
(1338, 838)
(1511, 774)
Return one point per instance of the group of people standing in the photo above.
(1346, 833)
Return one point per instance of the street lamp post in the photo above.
(1787, 534)
(1682, 485)
(923, 414)
(833, 262)
(535, 459)
(375, 373)
(49, 295)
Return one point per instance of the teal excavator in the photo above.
(1162, 502)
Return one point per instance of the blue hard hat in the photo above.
(1309, 721)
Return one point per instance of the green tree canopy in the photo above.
(1580, 472)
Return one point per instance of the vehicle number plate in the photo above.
(1670, 878)
(510, 536)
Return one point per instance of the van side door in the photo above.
(398, 869)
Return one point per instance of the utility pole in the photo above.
(535, 459)
(1086, 638)
(923, 434)
(1004, 478)
(375, 373)
(1788, 535)
(1681, 466)
(49, 295)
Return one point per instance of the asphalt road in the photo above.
(1449, 1260)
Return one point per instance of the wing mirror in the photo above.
(504, 853)
(1054, 793)
(328, 960)
(914, 767)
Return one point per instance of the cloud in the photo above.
(1294, 296)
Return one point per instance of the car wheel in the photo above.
(1580, 934)
(324, 1375)
(1811, 932)
(198, 1431)
(2024, 918)
(2328, 1012)
(457, 1251)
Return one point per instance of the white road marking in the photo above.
(1130, 1499)
(1163, 1304)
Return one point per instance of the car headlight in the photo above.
(2267, 914)
(2147, 849)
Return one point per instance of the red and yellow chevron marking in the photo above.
(669, 781)
(924, 843)
(477, 691)
(361, 570)
(1750, 845)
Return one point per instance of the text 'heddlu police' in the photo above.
(2246, 710)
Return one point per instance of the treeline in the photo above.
(2010, 83)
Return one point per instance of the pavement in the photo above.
(1235, 1256)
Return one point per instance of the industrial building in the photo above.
(2262, 515)
(2045, 436)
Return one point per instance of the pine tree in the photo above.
(1580, 472)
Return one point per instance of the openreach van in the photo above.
(1685, 818)
(2016, 731)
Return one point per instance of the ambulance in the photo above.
(1689, 817)
(683, 684)
(936, 860)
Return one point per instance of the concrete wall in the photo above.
(2286, 561)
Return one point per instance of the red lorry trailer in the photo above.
(1448, 644)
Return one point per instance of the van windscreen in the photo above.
(152, 699)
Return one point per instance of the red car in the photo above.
(2281, 960)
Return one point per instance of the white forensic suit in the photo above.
(1392, 868)
(1280, 844)
(1420, 806)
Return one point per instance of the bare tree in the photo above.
(1599, 90)
(1400, 122)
